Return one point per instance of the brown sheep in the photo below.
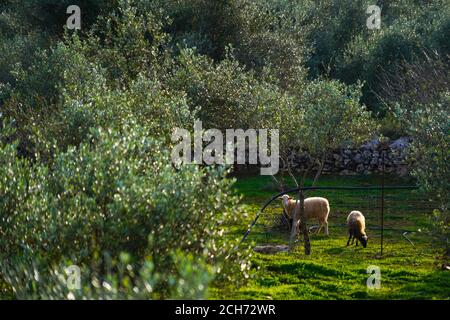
(356, 228)
(315, 207)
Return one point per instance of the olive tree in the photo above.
(118, 193)
(333, 118)
(429, 154)
(419, 97)
(325, 116)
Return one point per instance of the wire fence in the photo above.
(396, 210)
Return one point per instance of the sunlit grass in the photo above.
(334, 271)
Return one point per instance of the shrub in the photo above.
(223, 90)
(106, 278)
(419, 97)
(116, 193)
(440, 36)
(49, 16)
(79, 95)
(259, 33)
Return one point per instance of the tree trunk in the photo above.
(279, 183)
(303, 222)
(295, 215)
(305, 174)
(319, 171)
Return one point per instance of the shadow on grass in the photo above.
(308, 270)
(435, 285)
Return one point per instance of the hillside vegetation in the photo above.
(87, 179)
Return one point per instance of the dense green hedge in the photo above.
(116, 193)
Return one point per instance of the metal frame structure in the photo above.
(302, 190)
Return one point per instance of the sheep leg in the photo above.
(353, 240)
(357, 242)
(348, 242)
(326, 228)
(319, 228)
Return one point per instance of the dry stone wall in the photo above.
(366, 159)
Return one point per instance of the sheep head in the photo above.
(285, 200)
(363, 240)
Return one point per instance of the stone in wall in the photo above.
(366, 159)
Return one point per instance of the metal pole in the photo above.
(293, 235)
(303, 223)
(382, 199)
(261, 211)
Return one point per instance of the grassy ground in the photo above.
(334, 271)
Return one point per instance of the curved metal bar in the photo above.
(316, 188)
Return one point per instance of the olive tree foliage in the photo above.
(262, 35)
(419, 97)
(82, 184)
(131, 41)
(319, 117)
(429, 126)
(343, 48)
(327, 115)
(124, 279)
(333, 118)
(108, 76)
(116, 194)
(225, 95)
(49, 16)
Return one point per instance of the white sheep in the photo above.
(357, 228)
(315, 207)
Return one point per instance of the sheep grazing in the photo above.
(356, 228)
(315, 208)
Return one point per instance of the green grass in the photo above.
(334, 271)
